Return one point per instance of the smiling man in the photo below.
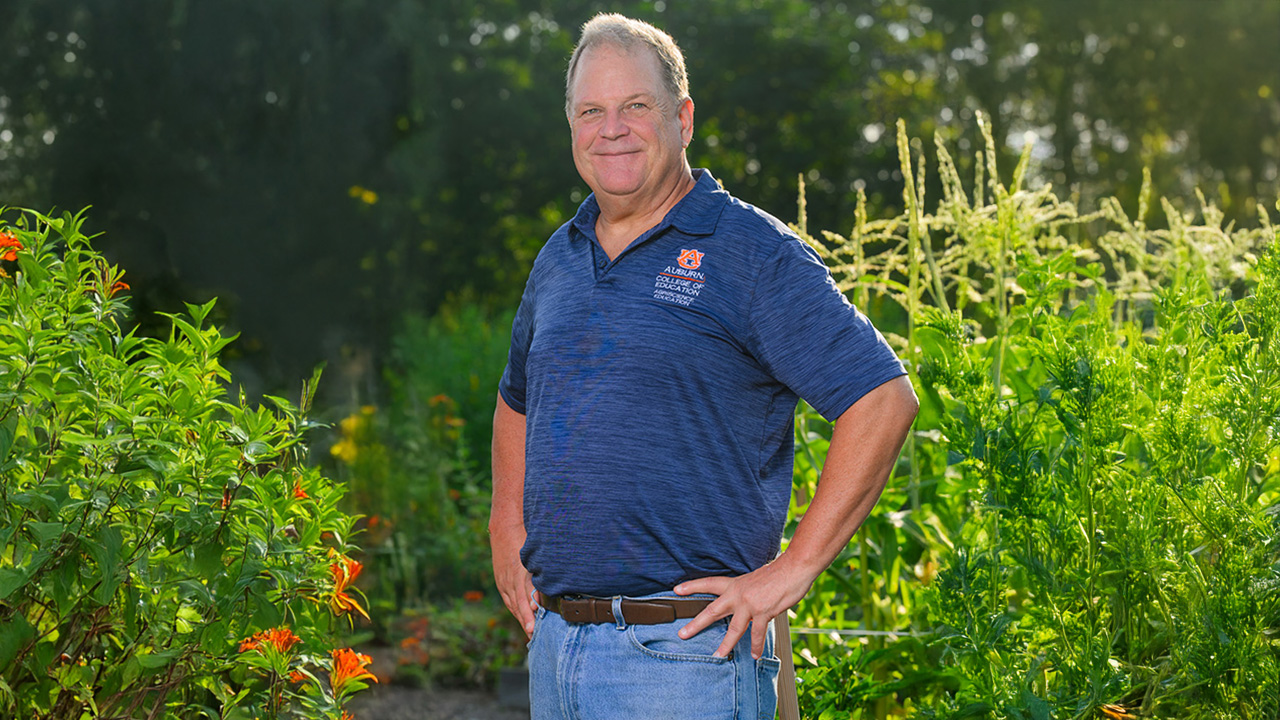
(642, 450)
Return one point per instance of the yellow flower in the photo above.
(351, 425)
(344, 450)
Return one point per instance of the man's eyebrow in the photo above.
(625, 100)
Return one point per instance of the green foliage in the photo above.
(164, 551)
(1095, 468)
(460, 353)
(411, 465)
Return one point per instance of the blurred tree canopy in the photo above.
(325, 166)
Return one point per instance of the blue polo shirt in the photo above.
(659, 390)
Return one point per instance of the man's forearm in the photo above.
(506, 513)
(865, 445)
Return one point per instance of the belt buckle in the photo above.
(579, 609)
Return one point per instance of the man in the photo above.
(642, 453)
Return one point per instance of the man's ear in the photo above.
(686, 121)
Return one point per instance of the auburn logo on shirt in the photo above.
(690, 259)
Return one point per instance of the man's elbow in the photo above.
(891, 407)
(909, 403)
(901, 402)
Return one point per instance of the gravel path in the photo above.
(399, 703)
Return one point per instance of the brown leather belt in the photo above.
(654, 611)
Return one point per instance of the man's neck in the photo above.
(622, 220)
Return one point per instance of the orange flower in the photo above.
(298, 492)
(297, 676)
(349, 666)
(374, 520)
(345, 572)
(9, 246)
(347, 715)
(281, 639)
(473, 596)
(117, 287)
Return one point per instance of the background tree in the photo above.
(324, 166)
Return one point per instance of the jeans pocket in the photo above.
(662, 642)
(767, 687)
(538, 615)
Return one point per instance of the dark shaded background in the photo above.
(325, 166)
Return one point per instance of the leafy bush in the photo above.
(164, 551)
(1088, 524)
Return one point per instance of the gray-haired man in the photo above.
(643, 438)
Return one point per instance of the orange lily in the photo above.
(345, 572)
(9, 246)
(281, 639)
(349, 666)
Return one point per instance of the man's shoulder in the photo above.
(747, 223)
(557, 243)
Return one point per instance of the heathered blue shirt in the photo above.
(660, 389)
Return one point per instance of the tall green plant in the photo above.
(165, 551)
(1097, 454)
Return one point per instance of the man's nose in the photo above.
(614, 125)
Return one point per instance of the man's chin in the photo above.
(618, 187)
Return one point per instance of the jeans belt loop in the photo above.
(619, 621)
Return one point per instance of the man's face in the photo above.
(628, 142)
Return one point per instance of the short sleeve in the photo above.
(810, 338)
(514, 379)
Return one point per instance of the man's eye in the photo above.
(590, 111)
(637, 106)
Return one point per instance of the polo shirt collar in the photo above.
(697, 213)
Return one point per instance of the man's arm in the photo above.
(864, 447)
(506, 514)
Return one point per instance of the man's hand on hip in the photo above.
(750, 600)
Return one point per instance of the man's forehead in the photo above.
(639, 57)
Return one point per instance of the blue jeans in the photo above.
(607, 671)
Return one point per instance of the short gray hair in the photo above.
(624, 33)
